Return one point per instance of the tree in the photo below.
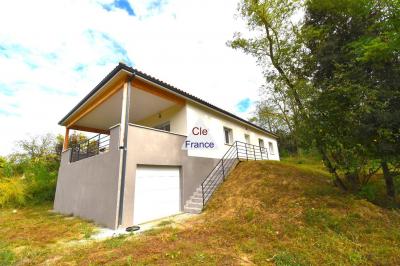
(74, 140)
(272, 113)
(37, 146)
(278, 44)
(355, 46)
(274, 41)
(378, 54)
(337, 74)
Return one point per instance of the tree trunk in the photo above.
(295, 144)
(354, 181)
(390, 188)
(338, 181)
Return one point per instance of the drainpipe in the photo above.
(123, 143)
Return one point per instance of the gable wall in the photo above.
(197, 114)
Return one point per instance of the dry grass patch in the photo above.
(266, 213)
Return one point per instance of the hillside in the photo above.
(266, 213)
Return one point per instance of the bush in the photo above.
(369, 192)
(37, 162)
(10, 167)
(12, 192)
(41, 175)
(34, 181)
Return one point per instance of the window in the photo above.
(228, 135)
(261, 143)
(247, 138)
(165, 126)
(262, 146)
(271, 147)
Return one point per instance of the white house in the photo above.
(159, 151)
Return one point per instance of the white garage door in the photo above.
(157, 193)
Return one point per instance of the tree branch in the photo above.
(279, 68)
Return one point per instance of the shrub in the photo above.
(37, 162)
(368, 192)
(12, 192)
(12, 166)
(38, 181)
(41, 175)
(3, 162)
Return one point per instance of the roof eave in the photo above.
(103, 82)
(167, 86)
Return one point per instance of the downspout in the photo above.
(123, 146)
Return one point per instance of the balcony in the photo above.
(93, 146)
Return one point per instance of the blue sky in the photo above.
(122, 4)
(244, 105)
(52, 53)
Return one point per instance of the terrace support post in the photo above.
(66, 139)
(98, 144)
(123, 144)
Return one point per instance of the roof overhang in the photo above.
(122, 73)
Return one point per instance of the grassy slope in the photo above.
(266, 213)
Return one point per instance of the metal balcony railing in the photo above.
(90, 147)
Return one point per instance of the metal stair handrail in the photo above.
(237, 152)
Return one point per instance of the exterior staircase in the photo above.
(238, 152)
(195, 203)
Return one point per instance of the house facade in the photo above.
(158, 151)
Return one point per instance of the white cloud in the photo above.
(52, 53)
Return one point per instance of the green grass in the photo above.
(32, 232)
(308, 163)
(266, 213)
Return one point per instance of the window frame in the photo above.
(263, 143)
(271, 147)
(228, 132)
(247, 138)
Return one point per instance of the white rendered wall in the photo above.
(216, 122)
(175, 115)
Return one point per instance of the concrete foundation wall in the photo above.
(152, 147)
(89, 188)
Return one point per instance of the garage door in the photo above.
(157, 193)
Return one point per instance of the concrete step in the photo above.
(192, 210)
(192, 204)
(197, 195)
(196, 199)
